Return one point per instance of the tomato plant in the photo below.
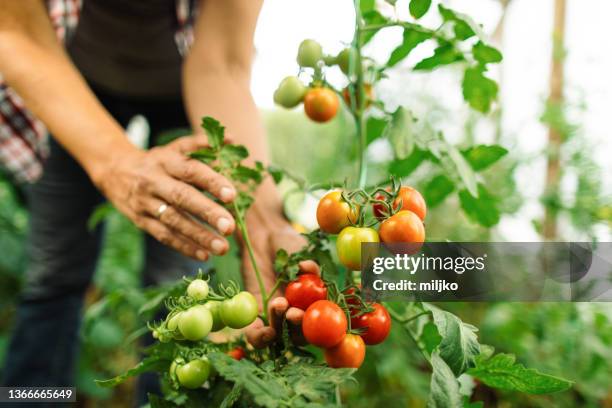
(336, 317)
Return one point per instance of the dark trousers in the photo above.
(63, 255)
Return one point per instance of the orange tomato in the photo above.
(333, 213)
(321, 104)
(349, 353)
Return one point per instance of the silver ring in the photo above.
(163, 207)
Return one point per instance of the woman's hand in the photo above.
(158, 191)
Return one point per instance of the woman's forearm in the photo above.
(56, 93)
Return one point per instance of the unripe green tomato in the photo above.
(343, 59)
(155, 334)
(173, 321)
(214, 306)
(193, 374)
(195, 323)
(290, 92)
(198, 289)
(349, 242)
(309, 53)
(239, 311)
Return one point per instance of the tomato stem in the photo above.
(240, 221)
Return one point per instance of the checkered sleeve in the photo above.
(23, 138)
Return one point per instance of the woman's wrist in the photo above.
(99, 164)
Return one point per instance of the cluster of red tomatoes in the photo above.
(325, 323)
(321, 102)
(405, 225)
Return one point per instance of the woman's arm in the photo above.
(36, 66)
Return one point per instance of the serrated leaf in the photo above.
(374, 128)
(418, 8)
(503, 372)
(231, 154)
(459, 345)
(478, 90)
(430, 338)
(465, 172)
(245, 174)
(437, 190)
(205, 155)
(483, 209)
(231, 396)
(482, 156)
(444, 388)
(372, 17)
(443, 55)
(411, 38)
(214, 131)
(400, 133)
(485, 53)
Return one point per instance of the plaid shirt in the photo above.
(23, 137)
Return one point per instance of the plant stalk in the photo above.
(358, 95)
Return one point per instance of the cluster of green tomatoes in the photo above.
(320, 101)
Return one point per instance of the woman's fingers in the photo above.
(186, 198)
(178, 221)
(294, 317)
(309, 266)
(259, 335)
(201, 176)
(171, 238)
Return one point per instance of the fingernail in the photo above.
(224, 225)
(217, 246)
(227, 194)
(201, 255)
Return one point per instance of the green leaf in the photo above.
(437, 190)
(205, 155)
(444, 388)
(464, 26)
(232, 396)
(100, 213)
(372, 17)
(245, 174)
(443, 55)
(459, 345)
(418, 8)
(501, 371)
(482, 156)
(465, 172)
(485, 53)
(232, 154)
(374, 128)
(214, 131)
(482, 210)
(410, 40)
(276, 173)
(148, 364)
(402, 168)
(478, 90)
(400, 133)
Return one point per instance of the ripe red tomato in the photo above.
(324, 324)
(411, 200)
(377, 324)
(405, 226)
(349, 353)
(237, 353)
(348, 245)
(305, 290)
(333, 213)
(321, 104)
